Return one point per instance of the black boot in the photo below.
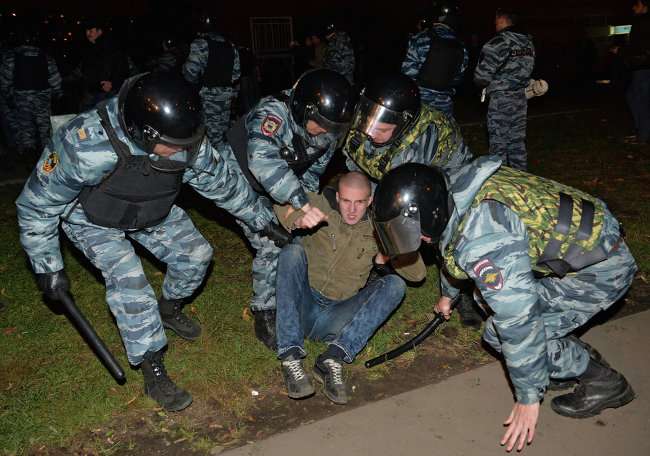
(174, 319)
(567, 383)
(599, 387)
(265, 328)
(158, 385)
(467, 310)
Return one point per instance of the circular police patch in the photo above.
(488, 274)
(50, 162)
(270, 124)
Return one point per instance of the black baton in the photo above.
(90, 336)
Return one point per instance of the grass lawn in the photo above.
(53, 389)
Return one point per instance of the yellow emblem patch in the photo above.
(51, 162)
(82, 134)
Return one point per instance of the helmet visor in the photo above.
(399, 235)
(376, 121)
(182, 159)
(336, 128)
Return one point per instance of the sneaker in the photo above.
(158, 385)
(296, 379)
(171, 313)
(330, 373)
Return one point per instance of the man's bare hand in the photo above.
(313, 216)
(521, 426)
(444, 307)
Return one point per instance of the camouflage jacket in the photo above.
(506, 61)
(81, 155)
(416, 54)
(7, 71)
(435, 139)
(197, 60)
(339, 55)
(493, 250)
(271, 129)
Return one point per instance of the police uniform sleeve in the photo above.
(196, 62)
(59, 176)
(236, 66)
(493, 251)
(416, 53)
(493, 56)
(217, 180)
(54, 79)
(311, 178)
(267, 135)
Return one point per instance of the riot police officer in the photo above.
(283, 146)
(111, 175)
(339, 53)
(436, 58)
(544, 257)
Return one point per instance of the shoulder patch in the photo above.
(82, 134)
(50, 162)
(488, 274)
(270, 124)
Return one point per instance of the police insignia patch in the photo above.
(271, 124)
(488, 274)
(50, 162)
(82, 134)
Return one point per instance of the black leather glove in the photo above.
(53, 283)
(277, 234)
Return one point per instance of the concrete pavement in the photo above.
(463, 415)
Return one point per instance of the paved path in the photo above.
(462, 415)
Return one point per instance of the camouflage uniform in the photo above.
(435, 139)
(339, 55)
(504, 69)
(533, 309)
(416, 54)
(216, 100)
(271, 129)
(80, 155)
(30, 126)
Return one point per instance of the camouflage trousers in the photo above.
(31, 124)
(506, 124)
(265, 265)
(217, 102)
(6, 120)
(440, 101)
(176, 242)
(572, 301)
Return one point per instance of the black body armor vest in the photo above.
(443, 63)
(31, 72)
(134, 195)
(221, 60)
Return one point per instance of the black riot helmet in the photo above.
(162, 108)
(447, 12)
(389, 99)
(411, 200)
(325, 97)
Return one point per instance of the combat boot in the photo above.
(173, 318)
(329, 371)
(158, 385)
(296, 379)
(599, 387)
(567, 383)
(265, 328)
(468, 312)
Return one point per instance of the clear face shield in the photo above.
(338, 129)
(401, 234)
(177, 161)
(380, 124)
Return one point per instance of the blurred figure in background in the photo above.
(637, 56)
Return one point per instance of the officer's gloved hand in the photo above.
(53, 283)
(277, 234)
(379, 270)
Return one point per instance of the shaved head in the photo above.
(356, 180)
(353, 197)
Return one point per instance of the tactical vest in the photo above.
(297, 158)
(221, 61)
(380, 163)
(442, 64)
(134, 195)
(31, 72)
(563, 224)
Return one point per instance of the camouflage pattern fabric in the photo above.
(271, 129)
(30, 123)
(339, 55)
(216, 101)
(531, 317)
(435, 139)
(506, 125)
(132, 300)
(416, 54)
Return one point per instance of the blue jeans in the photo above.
(303, 312)
(638, 100)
